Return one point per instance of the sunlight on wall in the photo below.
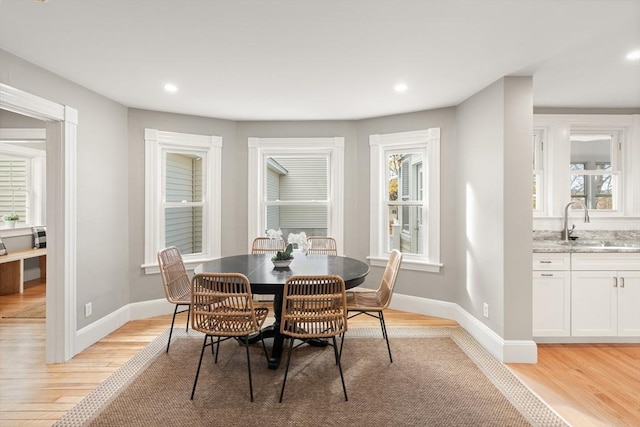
(471, 208)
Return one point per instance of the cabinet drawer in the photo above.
(600, 261)
(551, 261)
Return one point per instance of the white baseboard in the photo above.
(509, 351)
(102, 327)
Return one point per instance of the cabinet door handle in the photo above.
(615, 282)
(545, 262)
(546, 275)
(622, 282)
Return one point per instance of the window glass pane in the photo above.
(406, 229)
(297, 178)
(183, 178)
(310, 219)
(591, 150)
(405, 177)
(183, 228)
(595, 191)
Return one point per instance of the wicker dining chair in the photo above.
(322, 245)
(367, 302)
(265, 245)
(222, 307)
(177, 286)
(313, 307)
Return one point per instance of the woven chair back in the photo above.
(265, 245)
(388, 282)
(322, 245)
(174, 275)
(314, 307)
(222, 305)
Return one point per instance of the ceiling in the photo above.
(323, 59)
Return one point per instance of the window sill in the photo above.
(406, 264)
(19, 230)
(189, 264)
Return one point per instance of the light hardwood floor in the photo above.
(589, 385)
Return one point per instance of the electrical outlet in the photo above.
(88, 309)
(485, 310)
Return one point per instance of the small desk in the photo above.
(267, 280)
(12, 269)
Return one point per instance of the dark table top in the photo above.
(265, 279)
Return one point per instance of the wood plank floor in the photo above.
(589, 385)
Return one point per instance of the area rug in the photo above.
(440, 377)
(35, 311)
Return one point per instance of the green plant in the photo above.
(282, 256)
(11, 217)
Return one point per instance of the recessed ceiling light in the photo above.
(633, 56)
(170, 88)
(401, 87)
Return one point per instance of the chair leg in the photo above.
(204, 344)
(188, 316)
(217, 348)
(286, 371)
(344, 388)
(249, 369)
(212, 353)
(171, 330)
(264, 347)
(335, 350)
(384, 333)
(341, 345)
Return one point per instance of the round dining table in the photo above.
(266, 279)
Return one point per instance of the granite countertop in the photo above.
(586, 246)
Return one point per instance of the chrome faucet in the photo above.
(565, 229)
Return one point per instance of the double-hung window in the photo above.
(405, 198)
(590, 159)
(595, 174)
(182, 195)
(296, 185)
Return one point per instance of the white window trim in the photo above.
(542, 171)
(558, 129)
(260, 148)
(156, 143)
(378, 144)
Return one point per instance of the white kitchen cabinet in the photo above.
(605, 302)
(551, 295)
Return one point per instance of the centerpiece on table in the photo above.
(299, 241)
(282, 259)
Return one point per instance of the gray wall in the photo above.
(475, 140)
(494, 206)
(102, 184)
(9, 119)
